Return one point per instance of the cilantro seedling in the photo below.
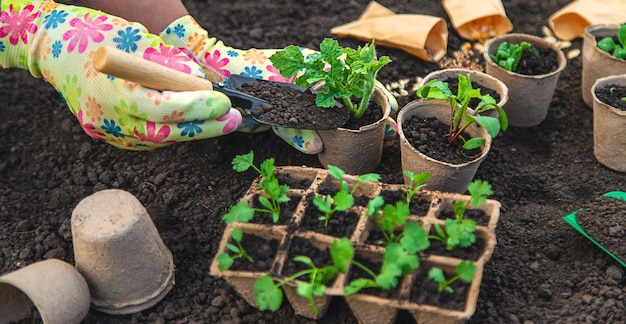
(397, 262)
(268, 294)
(276, 192)
(460, 116)
(508, 56)
(344, 198)
(225, 260)
(609, 45)
(417, 181)
(465, 271)
(346, 73)
(460, 230)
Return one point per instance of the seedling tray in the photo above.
(571, 219)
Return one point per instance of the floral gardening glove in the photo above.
(57, 42)
(221, 61)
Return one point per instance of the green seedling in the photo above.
(461, 231)
(397, 262)
(268, 294)
(465, 271)
(609, 45)
(508, 56)
(460, 116)
(417, 181)
(347, 74)
(225, 260)
(276, 193)
(344, 198)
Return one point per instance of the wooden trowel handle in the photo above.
(120, 64)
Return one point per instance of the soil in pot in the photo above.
(532, 65)
(302, 246)
(477, 214)
(612, 94)
(424, 291)
(292, 108)
(472, 252)
(341, 224)
(428, 136)
(295, 182)
(261, 250)
(419, 204)
(603, 219)
(286, 211)
(372, 114)
(453, 83)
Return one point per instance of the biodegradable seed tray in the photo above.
(305, 181)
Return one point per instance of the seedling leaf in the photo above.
(240, 212)
(267, 294)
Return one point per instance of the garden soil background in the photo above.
(542, 270)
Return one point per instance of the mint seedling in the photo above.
(347, 73)
(224, 260)
(617, 50)
(268, 294)
(460, 116)
(276, 192)
(465, 271)
(344, 198)
(508, 56)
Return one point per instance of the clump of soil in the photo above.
(293, 108)
(603, 219)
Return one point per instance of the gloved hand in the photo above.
(221, 61)
(57, 42)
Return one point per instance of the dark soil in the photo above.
(430, 137)
(603, 219)
(424, 291)
(533, 65)
(261, 250)
(612, 94)
(340, 224)
(542, 270)
(293, 108)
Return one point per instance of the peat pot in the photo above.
(445, 176)
(596, 62)
(529, 95)
(356, 151)
(609, 125)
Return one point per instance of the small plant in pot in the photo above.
(609, 121)
(347, 75)
(530, 67)
(467, 133)
(603, 55)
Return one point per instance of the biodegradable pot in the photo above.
(481, 79)
(356, 151)
(446, 177)
(529, 95)
(609, 123)
(596, 62)
(120, 253)
(55, 288)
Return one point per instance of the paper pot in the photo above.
(54, 287)
(596, 62)
(356, 151)
(529, 95)
(609, 124)
(120, 253)
(445, 176)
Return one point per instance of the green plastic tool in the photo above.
(571, 219)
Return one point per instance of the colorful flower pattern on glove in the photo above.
(58, 42)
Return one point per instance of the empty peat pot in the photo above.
(54, 287)
(120, 253)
